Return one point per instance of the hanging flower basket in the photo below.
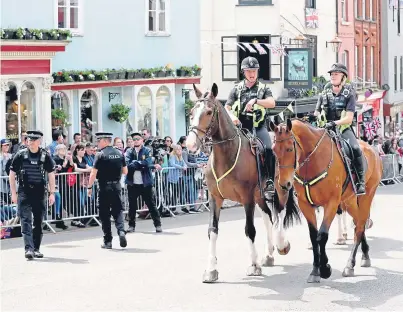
(119, 112)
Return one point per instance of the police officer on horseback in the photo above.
(337, 106)
(30, 166)
(109, 164)
(248, 101)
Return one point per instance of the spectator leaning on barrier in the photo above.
(30, 165)
(140, 182)
(398, 152)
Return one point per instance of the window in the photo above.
(370, 10)
(356, 62)
(372, 68)
(89, 115)
(364, 64)
(157, 17)
(363, 9)
(255, 2)
(229, 58)
(144, 103)
(69, 15)
(395, 73)
(310, 4)
(162, 106)
(344, 16)
(401, 73)
(356, 9)
(344, 58)
(312, 43)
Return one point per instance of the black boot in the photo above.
(359, 166)
(269, 169)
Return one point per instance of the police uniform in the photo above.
(30, 169)
(109, 162)
(239, 96)
(333, 107)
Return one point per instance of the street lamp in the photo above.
(336, 44)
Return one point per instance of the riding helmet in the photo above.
(249, 63)
(339, 68)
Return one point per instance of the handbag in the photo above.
(71, 178)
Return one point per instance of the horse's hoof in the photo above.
(268, 261)
(341, 241)
(348, 272)
(325, 271)
(210, 277)
(369, 224)
(254, 270)
(313, 279)
(365, 263)
(286, 250)
(345, 236)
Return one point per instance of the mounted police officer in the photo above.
(337, 105)
(109, 164)
(30, 166)
(248, 101)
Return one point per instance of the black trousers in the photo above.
(109, 203)
(147, 194)
(31, 204)
(349, 136)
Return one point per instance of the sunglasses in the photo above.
(137, 139)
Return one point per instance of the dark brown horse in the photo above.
(231, 173)
(310, 157)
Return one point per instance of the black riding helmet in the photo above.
(249, 63)
(339, 68)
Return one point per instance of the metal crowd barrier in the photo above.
(173, 189)
(391, 172)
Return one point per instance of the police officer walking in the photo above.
(337, 103)
(248, 101)
(109, 164)
(30, 165)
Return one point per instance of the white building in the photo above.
(225, 23)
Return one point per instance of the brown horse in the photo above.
(311, 157)
(231, 173)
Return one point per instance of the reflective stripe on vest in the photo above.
(236, 107)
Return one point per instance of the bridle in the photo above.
(207, 140)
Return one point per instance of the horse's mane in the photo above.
(307, 123)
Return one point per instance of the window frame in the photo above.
(254, 2)
(74, 31)
(158, 33)
(364, 9)
(357, 16)
(395, 73)
(372, 64)
(344, 58)
(230, 50)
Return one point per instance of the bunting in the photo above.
(253, 47)
(281, 114)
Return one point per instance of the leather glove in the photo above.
(330, 125)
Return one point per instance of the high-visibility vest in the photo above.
(236, 107)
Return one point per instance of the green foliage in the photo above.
(119, 112)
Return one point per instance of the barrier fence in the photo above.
(173, 189)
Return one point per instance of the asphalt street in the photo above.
(164, 271)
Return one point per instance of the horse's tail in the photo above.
(292, 211)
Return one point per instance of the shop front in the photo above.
(370, 119)
(155, 104)
(25, 93)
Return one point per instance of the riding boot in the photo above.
(359, 166)
(269, 169)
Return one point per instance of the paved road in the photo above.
(164, 271)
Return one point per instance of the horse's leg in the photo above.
(344, 216)
(283, 245)
(360, 214)
(329, 213)
(310, 216)
(211, 274)
(268, 259)
(250, 232)
(340, 235)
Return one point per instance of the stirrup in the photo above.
(358, 186)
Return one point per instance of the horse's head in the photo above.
(203, 118)
(285, 150)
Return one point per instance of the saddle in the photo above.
(256, 145)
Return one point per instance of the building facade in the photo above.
(346, 33)
(392, 61)
(304, 28)
(142, 54)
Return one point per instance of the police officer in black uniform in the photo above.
(30, 166)
(337, 104)
(109, 164)
(249, 101)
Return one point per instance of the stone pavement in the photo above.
(164, 271)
